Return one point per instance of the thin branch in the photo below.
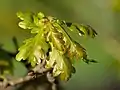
(17, 81)
(52, 80)
(37, 72)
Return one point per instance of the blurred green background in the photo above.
(102, 15)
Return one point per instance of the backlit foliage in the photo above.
(52, 42)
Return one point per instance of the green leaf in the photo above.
(35, 30)
(57, 39)
(61, 64)
(25, 50)
(73, 49)
(88, 30)
(76, 51)
(82, 30)
(33, 50)
(40, 15)
(27, 20)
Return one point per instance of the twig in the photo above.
(17, 81)
(39, 71)
(52, 79)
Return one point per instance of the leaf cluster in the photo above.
(53, 43)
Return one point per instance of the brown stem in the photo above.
(37, 72)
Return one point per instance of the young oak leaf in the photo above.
(27, 20)
(65, 36)
(25, 50)
(57, 39)
(82, 30)
(61, 65)
(74, 49)
(33, 50)
(30, 20)
(88, 30)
